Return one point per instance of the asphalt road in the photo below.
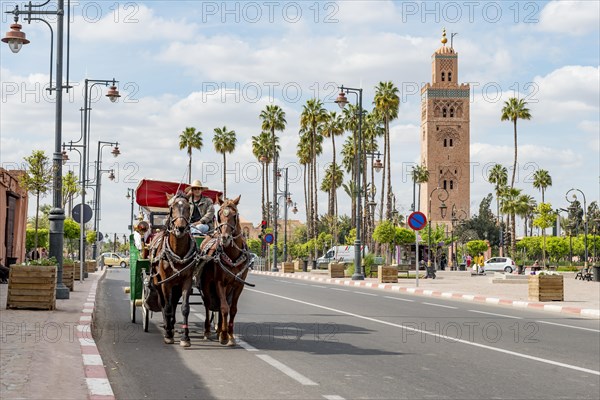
(301, 340)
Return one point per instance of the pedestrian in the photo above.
(44, 253)
(480, 263)
(469, 259)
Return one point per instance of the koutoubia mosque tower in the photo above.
(445, 137)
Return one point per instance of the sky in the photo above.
(206, 64)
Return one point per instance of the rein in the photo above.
(192, 258)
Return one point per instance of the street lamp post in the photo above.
(131, 195)
(113, 95)
(457, 217)
(371, 204)
(585, 222)
(341, 101)
(115, 152)
(443, 209)
(16, 39)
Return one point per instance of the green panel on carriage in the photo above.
(135, 268)
(199, 240)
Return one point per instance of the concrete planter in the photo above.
(336, 270)
(387, 274)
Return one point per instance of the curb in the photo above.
(94, 370)
(587, 312)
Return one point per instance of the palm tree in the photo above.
(498, 175)
(260, 151)
(333, 179)
(312, 117)
(513, 110)
(303, 153)
(190, 139)
(224, 141)
(542, 180)
(273, 119)
(513, 204)
(387, 105)
(528, 211)
(420, 175)
(332, 127)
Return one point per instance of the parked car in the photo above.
(114, 259)
(501, 264)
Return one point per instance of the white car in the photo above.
(501, 264)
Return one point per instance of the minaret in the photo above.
(445, 137)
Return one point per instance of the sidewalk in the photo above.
(581, 297)
(51, 354)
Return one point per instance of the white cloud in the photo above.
(570, 17)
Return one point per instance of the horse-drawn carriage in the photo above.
(177, 261)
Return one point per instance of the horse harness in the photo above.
(213, 250)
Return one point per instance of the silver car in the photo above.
(501, 264)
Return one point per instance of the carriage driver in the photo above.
(202, 210)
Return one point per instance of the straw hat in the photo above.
(195, 184)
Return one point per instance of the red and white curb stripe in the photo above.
(95, 374)
(588, 312)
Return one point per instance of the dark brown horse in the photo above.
(174, 256)
(224, 273)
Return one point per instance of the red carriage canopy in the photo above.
(152, 194)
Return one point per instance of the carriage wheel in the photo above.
(132, 311)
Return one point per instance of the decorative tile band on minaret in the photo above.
(445, 135)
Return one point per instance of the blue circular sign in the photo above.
(417, 220)
(269, 238)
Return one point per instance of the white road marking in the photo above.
(246, 345)
(286, 370)
(340, 290)
(367, 294)
(569, 326)
(333, 397)
(494, 314)
(439, 305)
(425, 332)
(319, 286)
(398, 298)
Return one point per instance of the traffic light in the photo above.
(263, 225)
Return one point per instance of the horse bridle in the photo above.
(171, 223)
(233, 228)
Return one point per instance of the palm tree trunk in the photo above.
(388, 214)
(332, 188)
(305, 194)
(512, 182)
(267, 191)
(383, 173)
(513, 239)
(190, 166)
(263, 193)
(224, 176)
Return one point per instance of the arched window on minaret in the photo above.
(449, 76)
(444, 112)
(451, 184)
(451, 112)
(443, 76)
(451, 145)
(445, 181)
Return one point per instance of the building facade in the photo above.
(13, 217)
(445, 138)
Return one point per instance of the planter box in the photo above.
(90, 265)
(77, 271)
(336, 270)
(298, 265)
(546, 288)
(68, 276)
(32, 286)
(287, 268)
(387, 274)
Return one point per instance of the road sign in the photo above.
(417, 220)
(269, 238)
(87, 213)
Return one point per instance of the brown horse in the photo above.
(174, 255)
(223, 275)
